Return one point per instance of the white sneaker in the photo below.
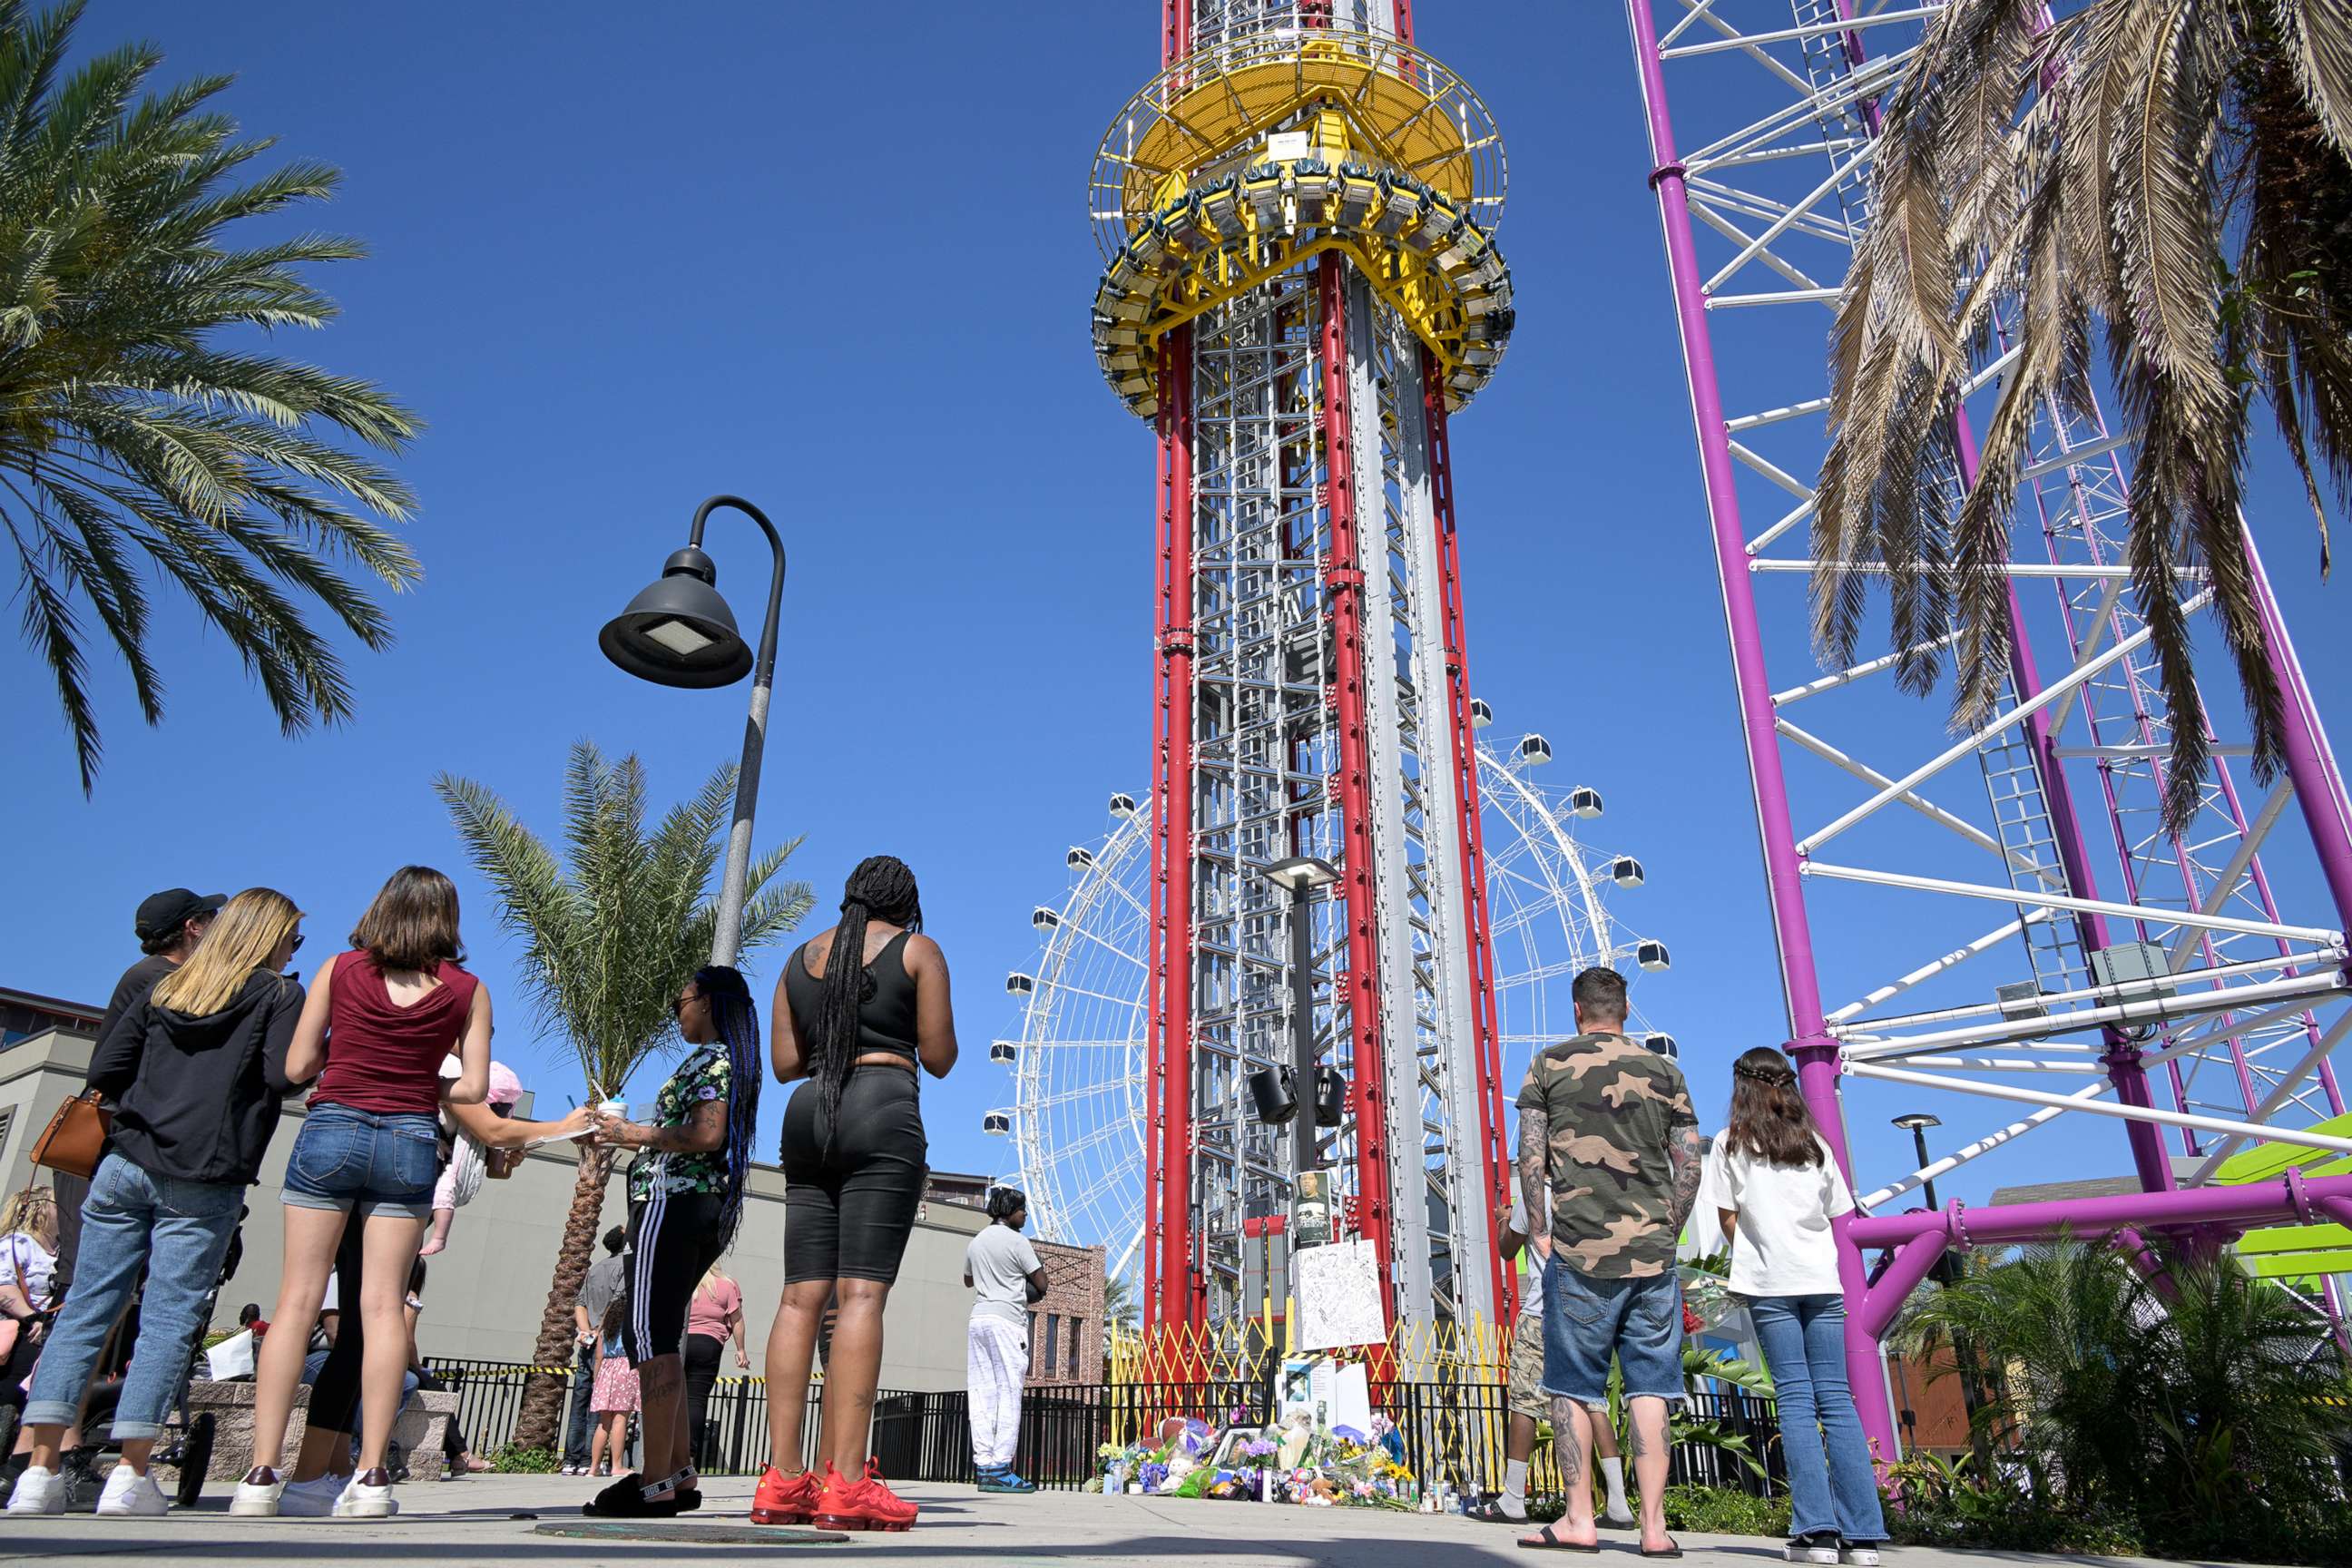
(362, 1498)
(1862, 1556)
(314, 1499)
(129, 1495)
(258, 1499)
(38, 1491)
(1819, 1550)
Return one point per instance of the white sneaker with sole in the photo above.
(1859, 1554)
(314, 1499)
(367, 1495)
(129, 1495)
(1819, 1550)
(38, 1491)
(258, 1499)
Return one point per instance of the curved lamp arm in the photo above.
(727, 939)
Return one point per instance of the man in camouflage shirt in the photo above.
(1606, 1131)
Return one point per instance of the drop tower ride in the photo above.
(1301, 289)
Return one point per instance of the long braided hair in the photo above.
(1768, 1121)
(882, 888)
(738, 1028)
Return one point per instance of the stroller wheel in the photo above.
(195, 1458)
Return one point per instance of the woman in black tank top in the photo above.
(859, 1013)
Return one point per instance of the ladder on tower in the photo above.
(1828, 67)
(2029, 844)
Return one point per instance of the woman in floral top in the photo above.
(685, 1194)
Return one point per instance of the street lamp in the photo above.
(679, 632)
(1947, 1272)
(1299, 877)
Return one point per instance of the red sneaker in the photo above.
(867, 1503)
(784, 1500)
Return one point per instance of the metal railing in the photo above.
(1453, 1432)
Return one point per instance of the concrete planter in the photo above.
(424, 1422)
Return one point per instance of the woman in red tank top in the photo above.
(377, 1023)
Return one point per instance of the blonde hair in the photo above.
(243, 936)
(24, 1211)
(707, 1276)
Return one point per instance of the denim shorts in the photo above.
(364, 1163)
(1587, 1319)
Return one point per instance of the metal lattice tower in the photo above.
(2129, 963)
(1301, 287)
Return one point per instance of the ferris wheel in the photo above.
(1079, 1099)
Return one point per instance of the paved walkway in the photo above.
(499, 1518)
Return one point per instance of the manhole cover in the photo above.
(586, 1529)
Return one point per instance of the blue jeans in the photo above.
(576, 1424)
(1587, 1320)
(179, 1231)
(364, 1163)
(1804, 1348)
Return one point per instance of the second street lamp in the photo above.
(679, 632)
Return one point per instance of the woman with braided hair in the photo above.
(686, 1196)
(861, 1010)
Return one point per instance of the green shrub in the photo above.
(511, 1460)
(1725, 1510)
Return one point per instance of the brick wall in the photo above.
(1066, 1329)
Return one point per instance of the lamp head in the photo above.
(1301, 874)
(678, 631)
(1915, 1121)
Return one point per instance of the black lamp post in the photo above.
(679, 632)
(1946, 1273)
(1300, 875)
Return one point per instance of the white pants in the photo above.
(997, 1360)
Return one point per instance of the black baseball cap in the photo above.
(160, 913)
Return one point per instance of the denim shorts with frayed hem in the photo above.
(364, 1163)
(1587, 1319)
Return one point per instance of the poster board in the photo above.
(1338, 1296)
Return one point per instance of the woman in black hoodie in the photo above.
(198, 1071)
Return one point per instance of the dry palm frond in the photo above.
(2171, 176)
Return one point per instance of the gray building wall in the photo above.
(486, 1292)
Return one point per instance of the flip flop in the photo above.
(1551, 1543)
(1672, 1551)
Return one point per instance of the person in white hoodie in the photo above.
(1776, 1188)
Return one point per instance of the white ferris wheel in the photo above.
(1079, 1102)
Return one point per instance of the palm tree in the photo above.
(607, 939)
(2176, 177)
(136, 446)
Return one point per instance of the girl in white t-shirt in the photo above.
(1776, 1189)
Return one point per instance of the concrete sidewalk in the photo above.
(499, 1518)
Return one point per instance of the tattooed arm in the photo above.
(1686, 1153)
(1535, 1175)
(704, 1131)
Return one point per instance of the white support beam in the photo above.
(1912, 799)
(1868, 667)
(2080, 455)
(2299, 1137)
(1836, 25)
(2249, 846)
(2123, 990)
(2286, 1089)
(1977, 1150)
(2066, 901)
(1838, 173)
(2006, 1064)
(1774, 416)
(2035, 571)
(2054, 692)
(1861, 1046)
(1935, 966)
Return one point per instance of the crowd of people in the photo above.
(1611, 1167)
(207, 1034)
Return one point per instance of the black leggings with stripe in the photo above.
(673, 1241)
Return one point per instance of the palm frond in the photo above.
(141, 449)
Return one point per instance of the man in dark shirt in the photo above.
(168, 924)
(1607, 1136)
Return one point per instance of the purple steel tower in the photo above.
(2173, 980)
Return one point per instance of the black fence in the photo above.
(1452, 1431)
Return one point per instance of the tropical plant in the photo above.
(2177, 178)
(136, 445)
(607, 940)
(2186, 1402)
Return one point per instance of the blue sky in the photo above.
(841, 264)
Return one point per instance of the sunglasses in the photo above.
(678, 1005)
(299, 940)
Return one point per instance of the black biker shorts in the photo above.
(672, 1240)
(848, 1209)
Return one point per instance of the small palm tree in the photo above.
(607, 941)
(2175, 177)
(136, 446)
